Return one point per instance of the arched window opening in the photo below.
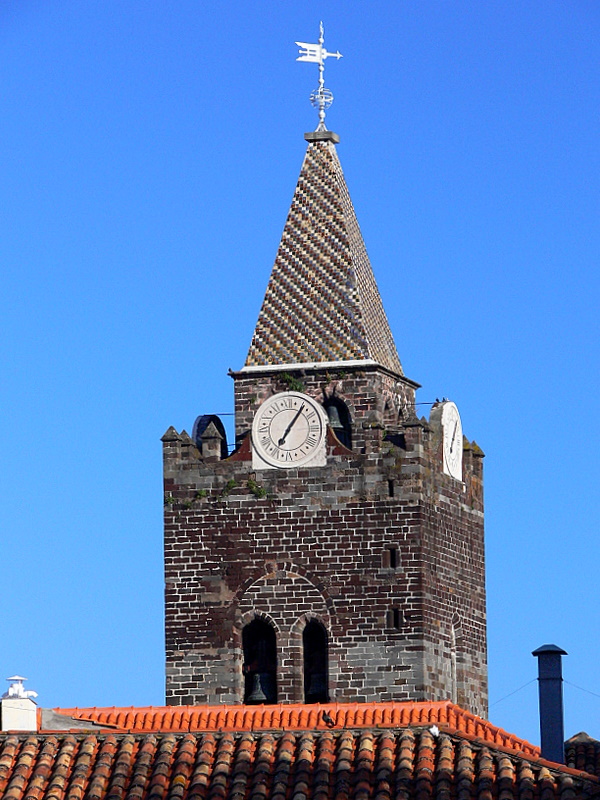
(316, 672)
(260, 663)
(213, 438)
(339, 420)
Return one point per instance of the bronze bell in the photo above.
(334, 417)
(317, 689)
(257, 695)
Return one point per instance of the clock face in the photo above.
(289, 430)
(453, 441)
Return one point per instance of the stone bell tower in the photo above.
(337, 554)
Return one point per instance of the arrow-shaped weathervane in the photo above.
(321, 98)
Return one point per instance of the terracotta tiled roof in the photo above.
(583, 752)
(322, 304)
(383, 760)
(195, 719)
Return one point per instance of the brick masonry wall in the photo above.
(373, 397)
(315, 547)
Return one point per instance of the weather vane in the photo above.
(321, 98)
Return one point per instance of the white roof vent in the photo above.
(18, 712)
(16, 688)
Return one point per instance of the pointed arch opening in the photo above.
(316, 663)
(259, 644)
(339, 420)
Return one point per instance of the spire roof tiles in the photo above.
(322, 305)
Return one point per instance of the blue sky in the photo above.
(149, 153)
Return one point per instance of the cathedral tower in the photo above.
(337, 554)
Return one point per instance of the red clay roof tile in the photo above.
(179, 719)
(384, 752)
(583, 752)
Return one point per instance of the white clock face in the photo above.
(453, 441)
(289, 430)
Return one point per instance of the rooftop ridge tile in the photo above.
(237, 719)
(297, 717)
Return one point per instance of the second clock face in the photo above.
(289, 430)
(453, 441)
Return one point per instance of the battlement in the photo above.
(401, 453)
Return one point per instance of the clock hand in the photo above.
(290, 426)
(453, 436)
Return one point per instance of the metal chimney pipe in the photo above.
(551, 701)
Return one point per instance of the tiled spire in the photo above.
(322, 304)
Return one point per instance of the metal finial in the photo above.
(321, 98)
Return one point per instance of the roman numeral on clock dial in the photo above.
(289, 429)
